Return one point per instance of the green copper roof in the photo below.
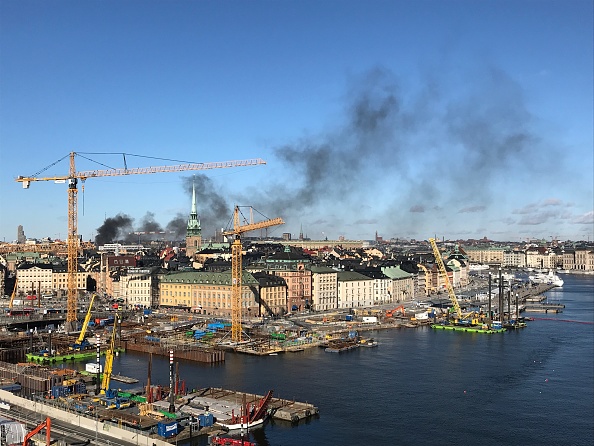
(207, 278)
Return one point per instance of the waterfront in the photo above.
(420, 386)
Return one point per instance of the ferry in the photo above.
(549, 279)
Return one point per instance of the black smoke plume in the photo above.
(113, 229)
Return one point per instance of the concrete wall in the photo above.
(78, 420)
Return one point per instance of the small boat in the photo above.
(234, 426)
(369, 343)
(229, 442)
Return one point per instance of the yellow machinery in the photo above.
(442, 270)
(236, 267)
(14, 293)
(108, 367)
(428, 287)
(81, 342)
(72, 180)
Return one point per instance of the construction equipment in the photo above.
(72, 180)
(14, 293)
(236, 266)
(444, 274)
(108, 367)
(81, 343)
(47, 425)
(392, 312)
(428, 287)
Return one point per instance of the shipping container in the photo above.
(167, 430)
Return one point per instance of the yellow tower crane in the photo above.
(446, 279)
(72, 180)
(236, 267)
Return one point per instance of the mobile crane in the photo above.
(444, 274)
(72, 180)
(107, 369)
(14, 293)
(82, 343)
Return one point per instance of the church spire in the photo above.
(194, 222)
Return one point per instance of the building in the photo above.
(194, 231)
(324, 287)
(290, 264)
(489, 255)
(21, 238)
(140, 286)
(207, 293)
(271, 295)
(402, 284)
(354, 290)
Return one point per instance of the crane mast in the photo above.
(72, 179)
(444, 275)
(236, 267)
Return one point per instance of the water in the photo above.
(421, 386)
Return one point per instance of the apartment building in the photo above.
(207, 293)
(354, 290)
(140, 286)
(402, 286)
(583, 260)
(487, 255)
(324, 288)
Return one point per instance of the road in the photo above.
(60, 430)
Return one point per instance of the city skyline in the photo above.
(452, 119)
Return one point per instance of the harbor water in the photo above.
(533, 386)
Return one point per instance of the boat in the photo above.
(252, 415)
(477, 267)
(234, 426)
(549, 278)
(369, 343)
(222, 441)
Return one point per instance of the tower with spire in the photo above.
(194, 231)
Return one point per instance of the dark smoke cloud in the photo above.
(421, 147)
(113, 228)
(178, 227)
(148, 224)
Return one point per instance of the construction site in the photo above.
(36, 346)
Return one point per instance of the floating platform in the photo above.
(467, 329)
(71, 356)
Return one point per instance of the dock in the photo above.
(222, 403)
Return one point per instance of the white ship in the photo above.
(548, 279)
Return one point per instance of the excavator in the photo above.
(47, 425)
(392, 312)
(82, 343)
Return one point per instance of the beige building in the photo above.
(487, 255)
(354, 290)
(210, 293)
(140, 287)
(402, 284)
(324, 288)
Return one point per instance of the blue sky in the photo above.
(461, 119)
